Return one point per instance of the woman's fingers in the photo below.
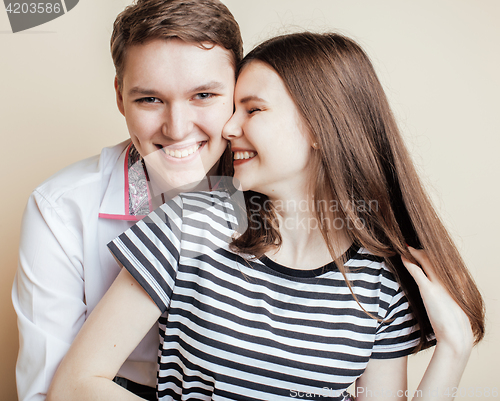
(416, 272)
(448, 320)
(421, 257)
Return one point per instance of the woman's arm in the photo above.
(383, 379)
(454, 344)
(115, 327)
(452, 329)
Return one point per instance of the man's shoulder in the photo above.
(85, 175)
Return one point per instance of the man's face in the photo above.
(176, 97)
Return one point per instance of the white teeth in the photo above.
(243, 155)
(180, 153)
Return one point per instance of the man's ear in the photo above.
(119, 97)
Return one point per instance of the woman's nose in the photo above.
(232, 129)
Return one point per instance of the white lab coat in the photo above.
(65, 267)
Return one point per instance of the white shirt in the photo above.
(65, 267)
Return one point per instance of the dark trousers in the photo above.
(145, 392)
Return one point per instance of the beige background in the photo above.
(438, 60)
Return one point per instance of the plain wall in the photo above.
(438, 60)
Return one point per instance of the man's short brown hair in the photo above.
(198, 21)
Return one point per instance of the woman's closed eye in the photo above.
(253, 110)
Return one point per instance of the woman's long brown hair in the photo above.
(361, 157)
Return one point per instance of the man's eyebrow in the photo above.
(251, 98)
(136, 90)
(209, 86)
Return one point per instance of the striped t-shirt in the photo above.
(239, 329)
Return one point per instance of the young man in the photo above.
(175, 70)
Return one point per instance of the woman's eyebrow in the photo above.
(250, 98)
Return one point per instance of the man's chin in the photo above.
(169, 182)
(167, 175)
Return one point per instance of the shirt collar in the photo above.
(127, 196)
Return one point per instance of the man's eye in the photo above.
(203, 96)
(148, 100)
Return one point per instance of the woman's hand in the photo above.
(451, 325)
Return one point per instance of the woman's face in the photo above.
(270, 145)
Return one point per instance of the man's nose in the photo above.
(178, 122)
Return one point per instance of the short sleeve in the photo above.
(398, 334)
(150, 251)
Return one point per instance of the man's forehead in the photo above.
(177, 60)
(179, 49)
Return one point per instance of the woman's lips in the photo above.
(241, 156)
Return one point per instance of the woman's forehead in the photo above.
(259, 79)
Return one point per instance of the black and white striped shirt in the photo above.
(237, 329)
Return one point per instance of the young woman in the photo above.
(313, 295)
